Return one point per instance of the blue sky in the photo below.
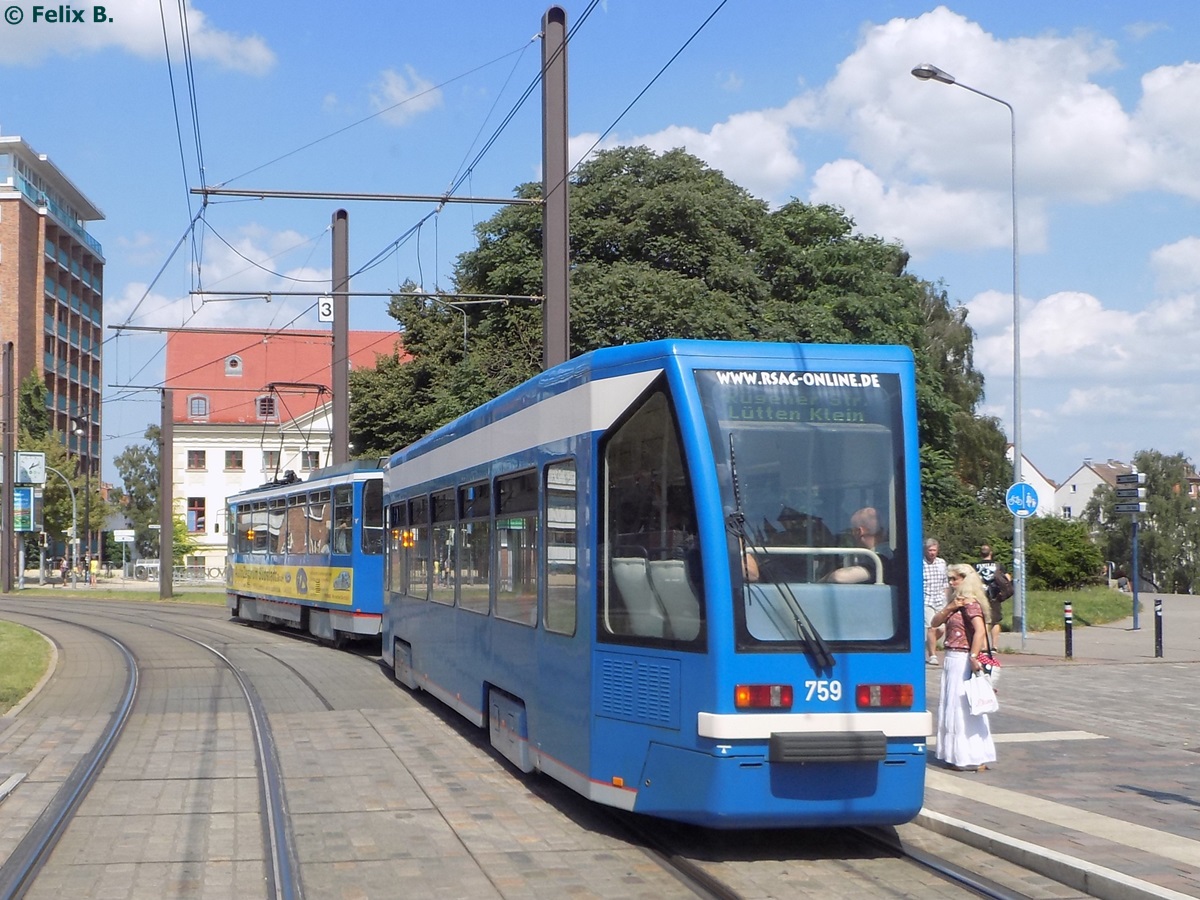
(790, 99)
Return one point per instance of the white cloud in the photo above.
(1170, 96)
(755, 150)
(926, 217)
(402, 98)
(136, 27)
(256, 262)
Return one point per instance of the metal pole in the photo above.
(8, 444)
(927, 72)
(166, 496)
(74, 522)
(87, 495)
(556, 323)
(1134, 567)
(340, 375)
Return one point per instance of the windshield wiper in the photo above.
(805, 629)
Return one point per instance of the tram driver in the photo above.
(866, 531)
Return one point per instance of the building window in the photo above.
(1066, 512)
(233, 460)
(233, 365)
(197, 407)
(310, 459)
(266, 407)
(195, 514)
(196, 461)
(270, 460)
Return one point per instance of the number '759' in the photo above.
(823, 690)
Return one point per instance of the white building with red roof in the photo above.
(249, 406)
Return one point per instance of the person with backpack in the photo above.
(999, 587)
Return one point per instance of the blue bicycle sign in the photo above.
(1022, 500)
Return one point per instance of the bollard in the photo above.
(1068, 617)
(1158, 626)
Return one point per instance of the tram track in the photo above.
(30, 855)
(721, 865)
(429, 748)
(281, 869)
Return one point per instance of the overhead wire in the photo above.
(377, 114)
(462, 175)
(649, 85)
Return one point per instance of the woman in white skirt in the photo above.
(964, 741)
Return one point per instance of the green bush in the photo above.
(1059, 554)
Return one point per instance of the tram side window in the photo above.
(245, 535)
(230, 532)
(561, 532)
(443, 550)
(399, 540)
(372, 517)
(651, 587)
(297, 525)
(417, 558)
(277, 526)
(474, 543)
(318, 522)
(343, 518)
(516, 548)
(260, 523)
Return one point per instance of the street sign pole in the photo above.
(1131, 487)
(1136, 626)
(1022, 502)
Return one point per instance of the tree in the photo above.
(31, 407)
(137, 465)
(664, 246)
(1060, 553)
(183, 544)
(1169, 531)
(56, 498)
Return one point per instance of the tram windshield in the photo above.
(810, 467)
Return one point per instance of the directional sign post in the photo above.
(1130, 487)
(1022, 500)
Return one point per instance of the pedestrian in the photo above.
(936, 586)
(996, 585)
(64, 567)
(964, 741)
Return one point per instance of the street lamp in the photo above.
(927, 72)
(74, 522)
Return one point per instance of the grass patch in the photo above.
(24, 655)
(205, 598)
(1089, 606)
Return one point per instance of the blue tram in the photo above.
(680, 577)
(309, 554)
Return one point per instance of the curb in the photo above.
(1090, 879)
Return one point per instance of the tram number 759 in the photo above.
(823, 690)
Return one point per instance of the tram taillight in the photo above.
(762, 696)
(878, 696)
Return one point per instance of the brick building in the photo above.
(51, 292)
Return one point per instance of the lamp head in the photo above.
(929, 72)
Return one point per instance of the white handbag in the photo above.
(980, 695)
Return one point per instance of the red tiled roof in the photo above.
(201, 363)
